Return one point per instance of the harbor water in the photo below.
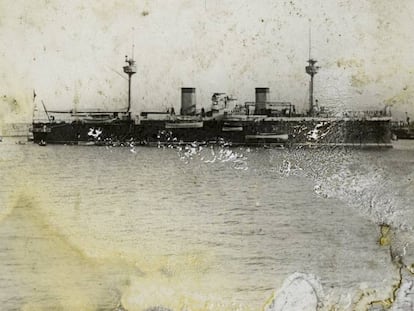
(197, 228)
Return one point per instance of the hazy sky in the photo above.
(72, 52)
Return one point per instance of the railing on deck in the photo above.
(360, 114)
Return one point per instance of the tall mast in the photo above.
(311, 70)
(310, 39)
(130, 69)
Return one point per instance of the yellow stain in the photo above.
(385, 238)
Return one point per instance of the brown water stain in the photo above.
(65, 272)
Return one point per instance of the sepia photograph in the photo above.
(206, 155)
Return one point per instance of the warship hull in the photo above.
(255, 130)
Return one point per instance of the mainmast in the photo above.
(130, 69)
(311, 70)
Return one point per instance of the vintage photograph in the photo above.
(206, 155)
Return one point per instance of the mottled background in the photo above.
(71, 52)
(93, 228)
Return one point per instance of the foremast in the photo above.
(130, 70)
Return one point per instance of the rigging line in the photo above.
(117, 72)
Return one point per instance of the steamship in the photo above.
(258, 123)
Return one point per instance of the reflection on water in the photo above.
(193, 229)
